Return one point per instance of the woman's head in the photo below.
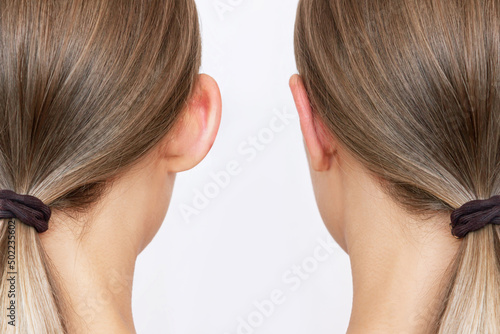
(88, 91)
(410, 90)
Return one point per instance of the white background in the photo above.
(250, 257)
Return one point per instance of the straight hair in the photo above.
(87, 88)
(411, 89)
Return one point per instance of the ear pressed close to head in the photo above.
(195, 132)
(318, 142)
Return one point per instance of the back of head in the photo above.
(412, 90)
(87, 88)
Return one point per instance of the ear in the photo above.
(195, 132)
(318, 143)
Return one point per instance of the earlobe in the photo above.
(320, 156)
(195, 132)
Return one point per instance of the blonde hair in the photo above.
(87, 88)
(411, 89)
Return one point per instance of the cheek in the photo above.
(159, 207)
(163, 199)
(168, 190)
(329, 198)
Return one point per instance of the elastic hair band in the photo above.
(28, 209)
(475, 215)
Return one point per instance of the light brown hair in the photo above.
(412, 89)
(87, 88)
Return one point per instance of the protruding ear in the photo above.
(194, 134)
(314, 132)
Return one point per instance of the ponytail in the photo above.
(30, 299)
(471, 302)
(411, 90)
(87, 89)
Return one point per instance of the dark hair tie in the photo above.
(475, 215)
(28, 209)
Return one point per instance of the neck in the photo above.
(399, 266)
(95, 274)
(97, 282)
(95, 264)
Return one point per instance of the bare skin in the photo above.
(398, 260)
(97, 266)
